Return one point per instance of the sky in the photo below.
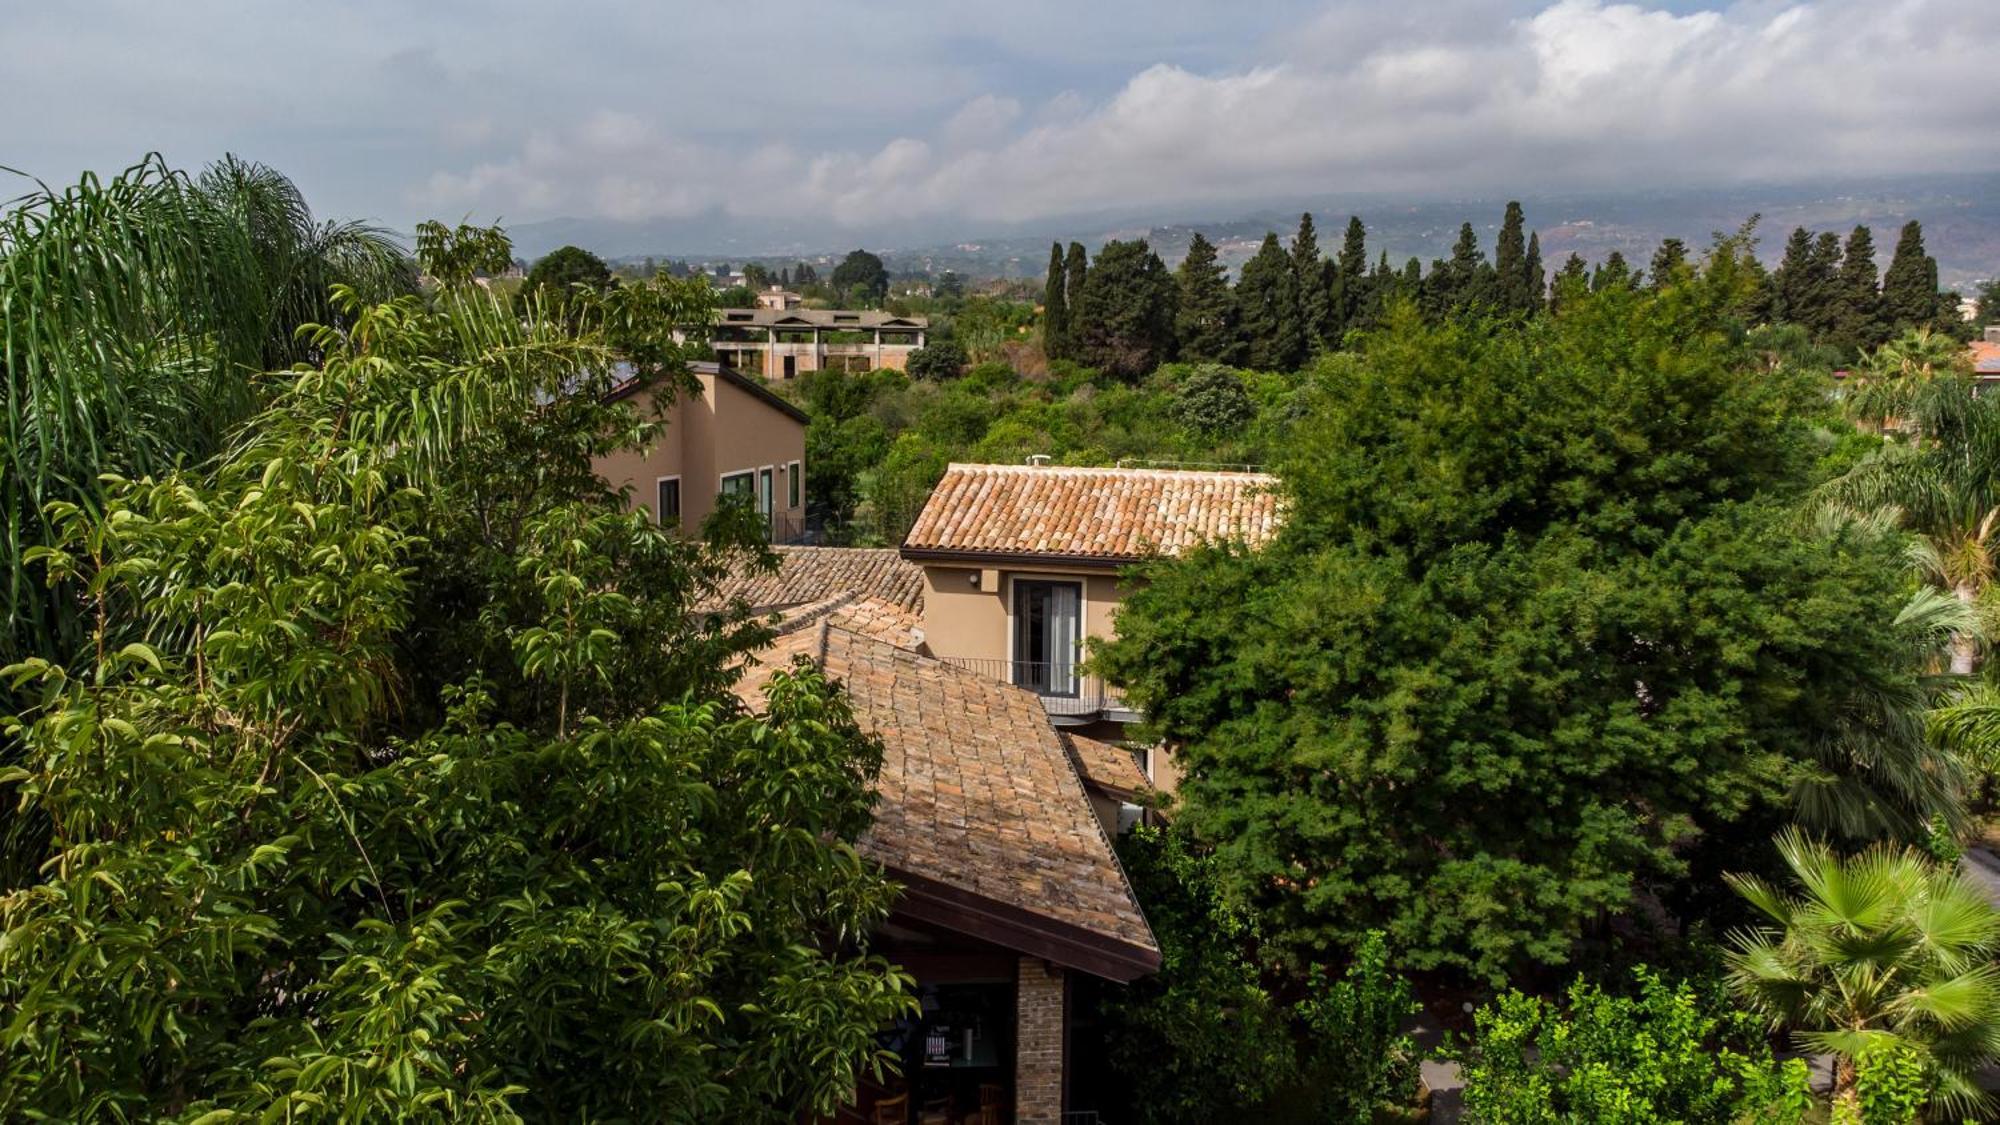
(870, 113)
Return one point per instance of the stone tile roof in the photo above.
(872, 617)
(814, 574)
(1112, 515)
(1103, 766)
(977, 793)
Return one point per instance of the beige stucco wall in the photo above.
(971, 621)
(726, 429)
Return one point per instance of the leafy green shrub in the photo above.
(1359, 1055)
(1891, 1084)
(1201, 1038)
(1212, 400)
(937, 361)
(1670, 1054)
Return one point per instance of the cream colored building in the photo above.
(786, 342)
(735, 437)
(1023, 570)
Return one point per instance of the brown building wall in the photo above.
(1039, 1015)
(724, 429)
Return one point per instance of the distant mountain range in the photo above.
(1961, 217)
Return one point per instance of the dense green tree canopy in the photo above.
(556, 276)
(401, 782)
(1267, 301)
(1123, 322)
(1540, 618)
(861, 277)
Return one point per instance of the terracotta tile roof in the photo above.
(1103, 766)
(1115, 515)
(977, 793)
(872, 617)
(1985, 358)
(812, 574)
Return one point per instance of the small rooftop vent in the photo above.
(1038, 459)
(1993, 333)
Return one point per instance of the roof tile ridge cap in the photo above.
(1090, 814)
(819, 657)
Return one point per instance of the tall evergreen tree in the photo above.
(1055, 307)
(1267, 301)
(1612, 271)
(1572, 279)
(1310, 282)
(1857, 312)
(1463, 283)
(1536, 277)
(1821, 309)
(1910, 290)
(1351, 268)
(1124, 311)
(1789, 281)
(1669, 261)
(1205, 322)
(1510, 262)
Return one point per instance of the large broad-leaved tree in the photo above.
(1540, 631)
(398, 778)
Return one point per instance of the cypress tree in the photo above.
(1790, 283)
(1205, 322)
(1055, 307)
(1309, 282)
(1076, 269)
(1463, 282)
(1573, 278)
(1857, 310)
(1510, 262)
(1668, 262)
(1537, 279)
(1267, 302)
(1352, 270)
(1612, 272)
(1822, 285)
(1910, 291)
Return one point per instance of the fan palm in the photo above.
(134, 313)
(1883, 948)
(1943, 486)
(1896, 382)
(1882, 773)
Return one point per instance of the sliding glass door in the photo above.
(1048, 635)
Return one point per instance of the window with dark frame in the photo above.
(792, 485)
(667, 508)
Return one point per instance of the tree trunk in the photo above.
(1964, 646)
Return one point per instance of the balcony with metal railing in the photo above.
(1067, 693)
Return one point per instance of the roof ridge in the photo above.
(1075, 470)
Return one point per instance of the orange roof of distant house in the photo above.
(981, 815)
(1090, 515)
(1985, 357)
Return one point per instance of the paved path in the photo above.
(1982, 867)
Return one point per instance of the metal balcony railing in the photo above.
(1064, 689)
(788, 527)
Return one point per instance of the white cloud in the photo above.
(1581, 93)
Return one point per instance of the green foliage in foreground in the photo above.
(1542, 624)
(1203, 1039)
(133, 314)
(1671, 1055)
(1882, 958)
(420, 794)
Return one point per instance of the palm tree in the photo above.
(1881, 949)
(134, 314)
(1891, 383)
(1943, 486)
(1882, 774)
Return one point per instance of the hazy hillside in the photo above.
(1961, 217)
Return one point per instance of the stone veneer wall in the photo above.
(1038, 1043)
